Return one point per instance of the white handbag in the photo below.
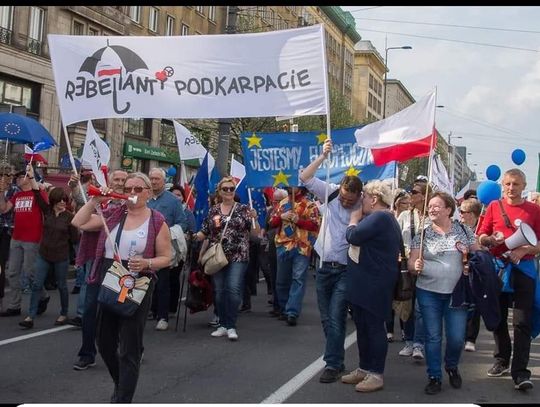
(214, 258)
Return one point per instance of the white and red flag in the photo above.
(404, 135)
(187, 187)
(238, 171)
(31, 155)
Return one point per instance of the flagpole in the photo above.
(430, 170)
(71, 159)
(251, 205)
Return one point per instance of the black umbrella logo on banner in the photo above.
(130, 60)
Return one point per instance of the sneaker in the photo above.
(42, 305)
(221, 331)
(214, 322)
(231, 334)
(27, 323)
(84, 363)
(406, 351)
(329, 375)
(77, 321)
(354, 377)
(434, 386)
(390, 337)
(498, 369)
(291, 320)
(10, 312)
(162, 325)
(370, 383)
(523, 383)
(454, 378)
(470, 347)
(417, 353)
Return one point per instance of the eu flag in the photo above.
(201, 184)
(257, 198)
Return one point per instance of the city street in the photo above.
(271, 362)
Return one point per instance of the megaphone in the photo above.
(95, 191)
(524, 235)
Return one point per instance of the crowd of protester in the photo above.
(360, 232)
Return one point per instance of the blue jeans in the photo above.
(371, 339)
(41, 270)
(82, 294)
(435, 308)
(291, 281)
(330, 282)
(229, 287)
(414, 327)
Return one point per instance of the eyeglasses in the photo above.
(137, 190)
(228, 189)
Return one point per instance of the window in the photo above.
(370, 100)
(135, 13)
(199, 9)
(167, 135)
(78, 28)
(370, 81)
(379, 90)
(93, 31)
(153, 19)
(212, 13)
(134, 127)
(170, 26)
(35, 30)
(12, 93)
(185, 30)
(6, 17)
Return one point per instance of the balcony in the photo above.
(34, 46)
(5, 35)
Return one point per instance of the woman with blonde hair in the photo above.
(229, 281)
(144, 246)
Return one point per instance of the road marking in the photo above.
(35, 334)
(289, 388)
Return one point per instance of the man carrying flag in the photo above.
(330, 278)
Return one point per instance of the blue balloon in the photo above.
(171, 172)
(488, 191)
(518, 156)
(493, 172)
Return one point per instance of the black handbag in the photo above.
(404, 288)
(120, 292)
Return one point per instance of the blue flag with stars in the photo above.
(274, 159)
(257, 199)
(201, 184)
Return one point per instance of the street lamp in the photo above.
(386, 73)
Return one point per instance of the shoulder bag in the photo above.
(121, 292)
(214, 258)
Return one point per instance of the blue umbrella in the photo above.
(23, 129)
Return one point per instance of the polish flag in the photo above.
(238, 171)
(187, 187)
(30, 155)
(402, 136)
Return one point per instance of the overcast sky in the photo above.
(491, 94)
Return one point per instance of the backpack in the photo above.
(199, 295)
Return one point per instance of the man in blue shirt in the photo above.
(171, 208)
(330, 278)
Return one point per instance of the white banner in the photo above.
(439, 176)
(95, 153)
(277, 73)
(189, 146)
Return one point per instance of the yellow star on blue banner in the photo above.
(254, 141)
(351, 171)
(281, 178)
(321, 138)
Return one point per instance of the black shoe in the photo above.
(274, 313)
(498, 369)
(42, 305)
(245, 308)
(433, 387)
(76, 290)
(77, 321)
(10, 312)
(523, 383)
(291, 320)
(84, 363)
(282, 317)
(454, 377)
(330, 375)
(27, 323)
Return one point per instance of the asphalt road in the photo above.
(271, 362)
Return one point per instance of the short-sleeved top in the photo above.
(236, 240)
(443, 264)
(27, 216)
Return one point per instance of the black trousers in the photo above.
(5, 239)
(162, 295)
(174, 284)
(522, 300)
(120, 344)
(473, 326)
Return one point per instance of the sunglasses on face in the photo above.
(63, 199)
(137, 190)
(227, 189)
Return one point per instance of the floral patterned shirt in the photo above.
(236, 240)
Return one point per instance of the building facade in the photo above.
(397, 97)
(368, 85)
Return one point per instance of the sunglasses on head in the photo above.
(228, 189)
(138, 190)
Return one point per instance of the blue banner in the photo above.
(273, 159)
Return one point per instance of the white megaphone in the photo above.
(524, 235)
